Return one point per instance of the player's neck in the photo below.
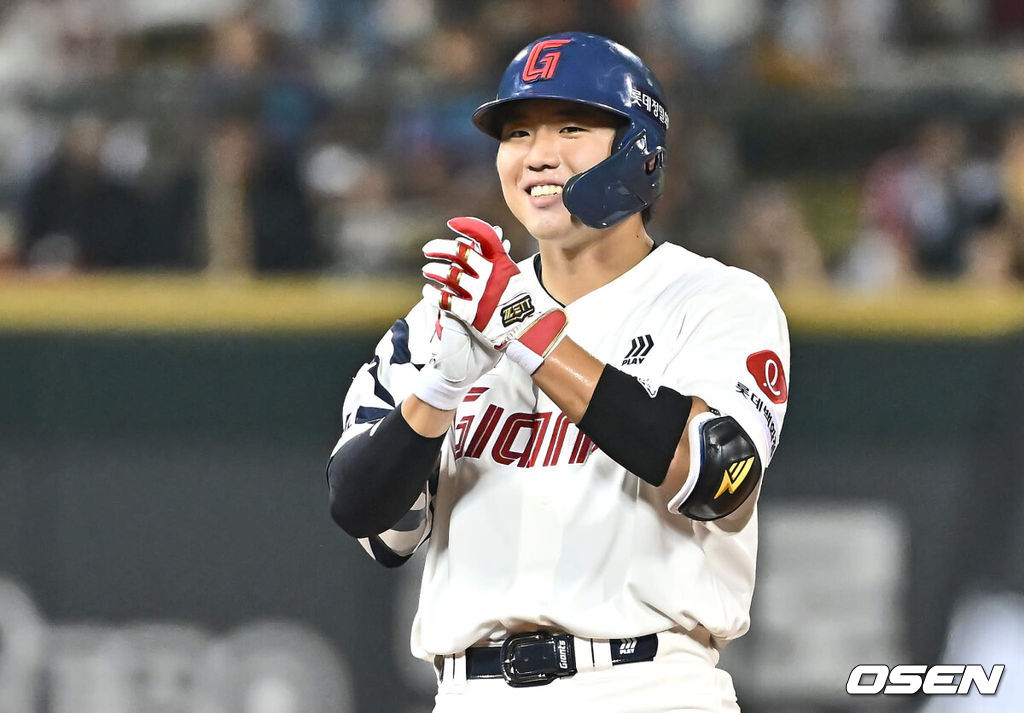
(571, 270)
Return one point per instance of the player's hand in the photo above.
(473, 278)
(460, 359)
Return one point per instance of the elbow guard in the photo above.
(724, 469)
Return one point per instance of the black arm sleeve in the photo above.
(377, 476)
(636, 429)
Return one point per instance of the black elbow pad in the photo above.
(724, 469)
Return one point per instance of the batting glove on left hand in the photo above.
(460, 360)
(477, 282)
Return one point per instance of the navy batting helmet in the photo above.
(593, 70)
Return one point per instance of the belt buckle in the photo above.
(561, 661)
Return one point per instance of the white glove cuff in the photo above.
(432, 388)
(525, 357)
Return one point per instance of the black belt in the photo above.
(537, 658)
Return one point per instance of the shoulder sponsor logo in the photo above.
(639, 348)
(543, 60)
(909, 679)
(734, 476)
(766, 368)
(766, 411)
(517, 311)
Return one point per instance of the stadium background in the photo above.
(209, 212)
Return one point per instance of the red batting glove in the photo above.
(473, 278)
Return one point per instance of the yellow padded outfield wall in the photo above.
(168, 303)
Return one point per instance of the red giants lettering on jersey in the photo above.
(524, 440)
(766, 368)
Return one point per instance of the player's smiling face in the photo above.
(544, 142)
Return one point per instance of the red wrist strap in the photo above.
(544, 334)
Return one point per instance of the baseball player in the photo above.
(579, 437)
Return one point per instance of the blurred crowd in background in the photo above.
(866, 143)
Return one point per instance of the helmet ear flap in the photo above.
(619, 186)
(655, 162)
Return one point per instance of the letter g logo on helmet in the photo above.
(542, 60)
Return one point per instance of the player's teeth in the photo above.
(545, 190)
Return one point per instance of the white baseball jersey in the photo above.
(530, 525)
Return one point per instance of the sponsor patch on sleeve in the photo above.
(767, 413)
(766, 368)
